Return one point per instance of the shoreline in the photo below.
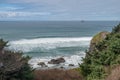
(59, 68)
(56, 63)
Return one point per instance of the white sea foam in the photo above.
(73, 59)
(46, 44)
(27, 45)
(49, 40)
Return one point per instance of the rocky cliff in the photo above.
(97, 39)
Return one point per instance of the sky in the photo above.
(59, 10)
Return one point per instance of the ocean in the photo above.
(46, 40)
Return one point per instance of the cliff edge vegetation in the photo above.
(103, 57)
(13, 66)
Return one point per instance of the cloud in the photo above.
(22, 14)
(33, 1)
(61, 9)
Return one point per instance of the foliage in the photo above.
(25, 73)
(99, 37)
(116, 29)
(13, 65)
(3, 44)
(105, 54)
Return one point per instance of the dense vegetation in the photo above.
(99, 62)
(13, 66)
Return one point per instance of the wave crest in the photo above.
(27, 45)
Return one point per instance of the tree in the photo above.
(13, 66)
(3, 44)
(116, 29)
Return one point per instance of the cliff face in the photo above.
(97, 39)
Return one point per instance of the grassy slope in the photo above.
(57, 74)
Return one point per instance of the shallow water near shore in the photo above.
(48, 40)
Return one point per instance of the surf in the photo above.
(27, 45)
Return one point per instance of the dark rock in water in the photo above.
(62, 67)
(71, 64)
(42, 64)
(96, 39)
(57, 61)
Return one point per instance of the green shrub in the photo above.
(13, 65)
(105, 54)
(3, 44)
(116, 29)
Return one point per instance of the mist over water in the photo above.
(47, 40)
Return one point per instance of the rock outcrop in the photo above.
(42, 64)
(96, 39)
(71, 64)
(57, 61)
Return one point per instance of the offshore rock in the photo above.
(42, 64)
(57, 61)
(71, 64)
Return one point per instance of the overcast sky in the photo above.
(59, 10)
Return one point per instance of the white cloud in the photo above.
(8, 8)
(60, 9)
(22, 14)
(35, 1)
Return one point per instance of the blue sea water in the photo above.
(44, 40)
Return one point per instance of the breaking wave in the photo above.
(45, 49)
(27, 45)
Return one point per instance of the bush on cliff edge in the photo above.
(98, 63)
(13, 66)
